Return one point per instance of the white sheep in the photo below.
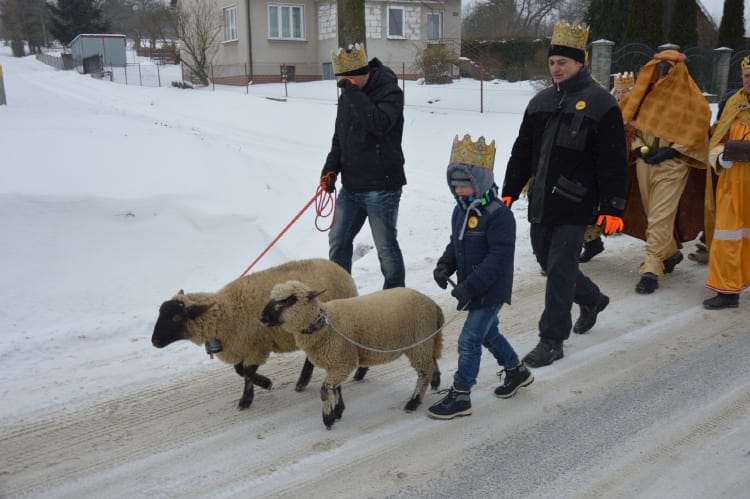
(227, 321)
(341, 334)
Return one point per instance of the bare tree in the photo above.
(198, 25)
(497, 19)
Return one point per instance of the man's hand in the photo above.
(346, 84)
(328, 182)
(610, 224)
(507, 200)
(659, 154)
(440, 274)
(462, 295)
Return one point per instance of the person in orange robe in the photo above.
(729, 257)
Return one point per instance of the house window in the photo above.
(434, 26)
(396, 22)
(285, 22)
(230, 23)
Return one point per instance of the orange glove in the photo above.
(507, 200)
(610, 224)
(328, 182)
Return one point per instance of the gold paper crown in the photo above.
(473, 153)
(624, 81)
(745, 62)
(349, 60)
(570, 35)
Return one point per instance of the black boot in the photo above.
(457, 402)
(587, 319)
(722, 300)
(671, 262)
(648, 284)
(591, 249)
(544, 353)
(515, 379)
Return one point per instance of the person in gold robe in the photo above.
(729, 257)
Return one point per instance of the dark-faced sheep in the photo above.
(227, 321)
(341, 334)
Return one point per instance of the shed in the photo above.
(92, 52)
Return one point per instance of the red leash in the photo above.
(324, 207)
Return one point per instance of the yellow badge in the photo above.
(472, 222)
(580, 105)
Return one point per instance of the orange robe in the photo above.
(729, 258)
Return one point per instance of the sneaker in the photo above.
(671, 262)
(587, 319)
(544, 353)
(515, 379)
(591, 249)
(648, 283)
(722, 300)
(457, 402)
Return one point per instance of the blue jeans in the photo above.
(381, 209)
(557, 249)
(481, 329)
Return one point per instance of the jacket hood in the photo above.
(481, 178)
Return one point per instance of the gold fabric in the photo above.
(672, 108)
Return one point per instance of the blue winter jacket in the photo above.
(483, 258)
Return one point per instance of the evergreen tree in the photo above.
(732, 27)
(683, 26)
(70, 18)
(645, 23)
(607, 19)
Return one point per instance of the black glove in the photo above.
(659, 154)
(440, 274)
(462, 295)
(346, 84)
(328, 181)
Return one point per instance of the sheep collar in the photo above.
(320, 321)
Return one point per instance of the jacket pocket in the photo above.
(573, 135)
(569, 189)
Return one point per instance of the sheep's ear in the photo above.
(181, 292)
(194, 311)
(315, 294)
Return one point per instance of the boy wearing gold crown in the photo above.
(366, 151)
(480, 251)
(571, 147)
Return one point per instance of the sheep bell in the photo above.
(213, 346)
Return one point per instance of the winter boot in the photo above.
(457, 402)
(648, 284)
(544, 353)
(515, 379)
(587, 319)
(591, 249)
(671, 262)
(722, 300)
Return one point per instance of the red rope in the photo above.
(325, 206)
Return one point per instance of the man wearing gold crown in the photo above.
(671, 118)
(480, 251)
(729, 257)
(366, 151)
(571, 149)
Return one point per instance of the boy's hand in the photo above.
(440, 274)
(462, 295)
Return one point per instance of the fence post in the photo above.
(719, 78)
(601, 61)
(481, 88)
(3, 102)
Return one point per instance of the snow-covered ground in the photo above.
(114, 197)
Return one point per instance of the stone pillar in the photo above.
(601, 61)
(720, 75)
(668, 46)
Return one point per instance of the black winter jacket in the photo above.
(366, 147)
(571, 150)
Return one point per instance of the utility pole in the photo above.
(3, 102)
(351, 23)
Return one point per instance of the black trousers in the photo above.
(557, 248)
